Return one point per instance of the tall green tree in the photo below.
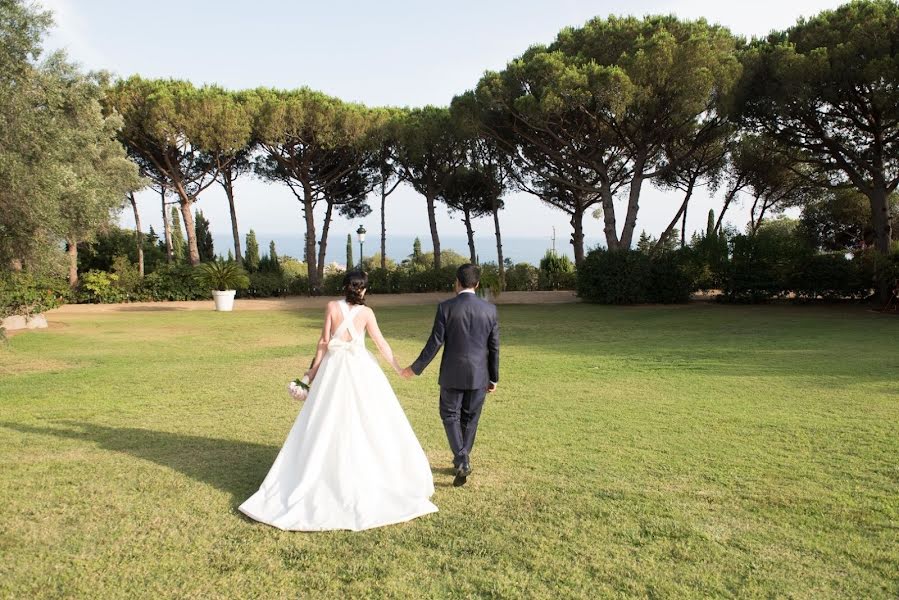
(825, 90)
(204, 237)
(598, 110)
(320, 148)
(474, 193)
(841, 221)
(179, 245)
(349, 252)
(388, 172)
(251, 259)
(225, 138)
(162, 121)
(430, 147)
(63, 175)
(705, 166)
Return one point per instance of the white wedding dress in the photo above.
(351, 460)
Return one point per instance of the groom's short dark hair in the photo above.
(468, 275)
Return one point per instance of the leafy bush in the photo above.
(490, 278)
(672, 278)
(620, 277)
(268, 284)
(129, 279)
(522, 277)
(556, 272)
(634, 277)
(100, 287)
(762, 265)
(829, 276)
(172, 282)
(26, 295)
(298, 285)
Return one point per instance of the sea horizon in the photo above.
(399, 247)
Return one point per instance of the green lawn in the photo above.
(652, 452)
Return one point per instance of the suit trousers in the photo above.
(460, 411)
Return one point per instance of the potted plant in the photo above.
(224, 278)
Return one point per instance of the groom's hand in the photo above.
(407, 373)
(491, 387)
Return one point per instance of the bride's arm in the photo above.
(322, 345)
(374, 332)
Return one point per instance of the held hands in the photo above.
(407, 373)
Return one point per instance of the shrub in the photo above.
(620, 277)
(762, 265)
(828, 276)
(634, 277)
(522, 277)
(490, 278)
(556, 272)
(129, 279)
(298, 285)
(672, 278)
(264, 284)
(172, 282)
(26, 295)
(100, 287)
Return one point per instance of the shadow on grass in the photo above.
(148, 308)
(232, 466)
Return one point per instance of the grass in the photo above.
(699, 451)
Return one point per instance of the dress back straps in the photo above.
(347, 324)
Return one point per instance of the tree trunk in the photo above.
(323, 244)
(727, 200)
(883, 230)
(383, 224)
(667, 233)
(752, 225)
(633, 205)
(470, 233)
(193, 251)
(72, 251)
(432, 221)
(311, 263)
(229, 191)
(608, 213)
(140, 236)
(683, 226)
(577, 236)
(167, 226)
(499, 248)
(880, 218)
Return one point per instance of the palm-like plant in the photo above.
(222, 275)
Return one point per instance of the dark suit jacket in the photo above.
(468, 330)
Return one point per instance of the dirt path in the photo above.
(303, 302)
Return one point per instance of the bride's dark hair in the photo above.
(354, 285)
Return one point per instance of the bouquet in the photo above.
(299, 388)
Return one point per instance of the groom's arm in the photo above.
(433, 344)
(493, 352)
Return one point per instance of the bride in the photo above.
(351, 459)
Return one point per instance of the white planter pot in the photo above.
(224, 300)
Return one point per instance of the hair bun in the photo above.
(354, 285)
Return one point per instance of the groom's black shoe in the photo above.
(462, 473)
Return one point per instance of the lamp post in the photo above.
(361, 233)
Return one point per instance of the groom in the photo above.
(467, 328)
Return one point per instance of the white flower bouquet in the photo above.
(299, 388)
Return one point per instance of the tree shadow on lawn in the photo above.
(233, 466)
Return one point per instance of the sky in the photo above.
(399, 53)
